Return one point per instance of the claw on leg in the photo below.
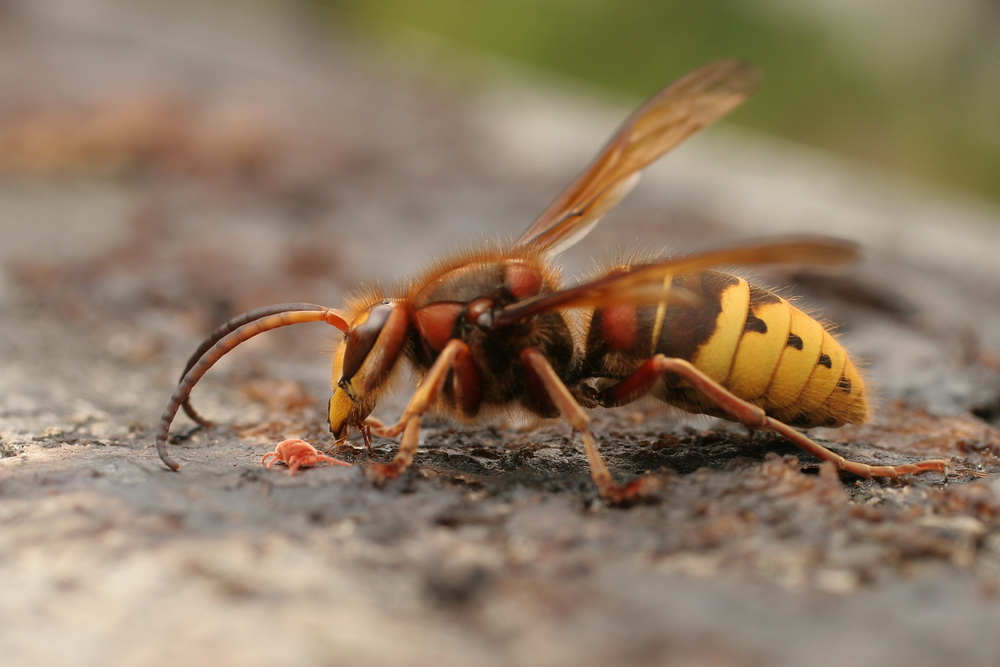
(640, 489)
(383, 472)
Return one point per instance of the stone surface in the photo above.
(166, 166)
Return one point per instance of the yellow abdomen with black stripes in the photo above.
(748, 339)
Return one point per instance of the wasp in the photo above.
(493, 331)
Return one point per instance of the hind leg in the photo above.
(751, 416)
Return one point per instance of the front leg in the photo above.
(454, 352)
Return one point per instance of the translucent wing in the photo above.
(647, 284)
(672, 115)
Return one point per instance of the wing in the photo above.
(647, 284)
(672, 115)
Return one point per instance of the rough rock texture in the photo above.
(161, 171)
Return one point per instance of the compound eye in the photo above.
(361, 340)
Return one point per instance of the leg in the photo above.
(383, 472)
(409, 423)
(577, 417)
(366, 428)
(426, 391)
(751, 416)
(366, 435)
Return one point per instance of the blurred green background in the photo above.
(909, 85)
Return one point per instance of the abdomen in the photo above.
(750, 340)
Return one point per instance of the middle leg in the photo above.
(570, 410)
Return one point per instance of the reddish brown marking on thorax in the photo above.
(436, 321)
(478, 309)
(524, 281)
(619, 328)
(471, 294)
